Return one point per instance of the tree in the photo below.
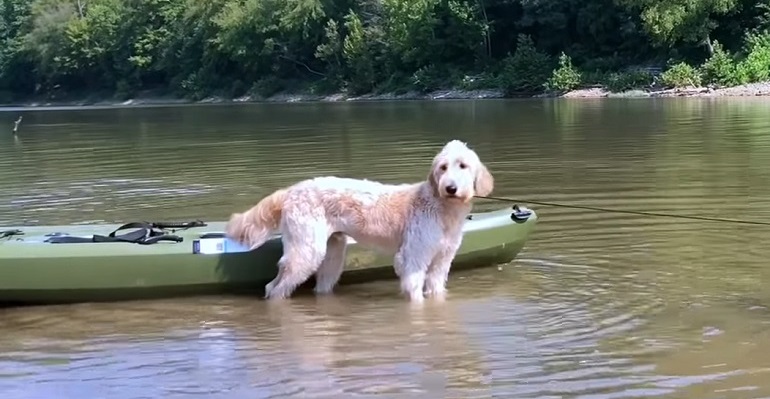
(690, 21)
(15, 67)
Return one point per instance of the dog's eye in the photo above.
(443, 167)
(463, 166)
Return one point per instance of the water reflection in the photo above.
(312, 343)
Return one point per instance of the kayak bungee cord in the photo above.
(10, 233)
(642, 213)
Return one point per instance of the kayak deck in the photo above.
(201, 261)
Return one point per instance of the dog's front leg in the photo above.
(412, 260)
(438, 271)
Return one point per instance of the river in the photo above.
(597, 305)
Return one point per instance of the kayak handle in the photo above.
(520, 214)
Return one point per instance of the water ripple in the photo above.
(598, 305)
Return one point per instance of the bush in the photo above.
(593, 78)
(564, 78)
(397, 83)
(756, 66)
(681, 75)
(124, 90)
(267, 86)
(617, 82)
(719, 69)
(484, 80)
(526, 70)
(325, 86)
(428, 78)
(193, 86)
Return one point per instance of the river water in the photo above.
(598, 305)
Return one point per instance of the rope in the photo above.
(642, 213)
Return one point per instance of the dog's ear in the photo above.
(432, 179)
(484, 182)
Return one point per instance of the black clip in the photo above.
(520, 215)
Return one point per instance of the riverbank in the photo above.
(761, 89)
(749, 90)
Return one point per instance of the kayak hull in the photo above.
(36, 272)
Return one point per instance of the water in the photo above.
(596, 306)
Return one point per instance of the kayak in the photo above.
(143, 260)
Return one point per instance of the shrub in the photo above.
(428, 78)
(564, 78)
(193, 86)
(591, 78)
(719, 69)
(617, 82)
(267, 86)
(681, 75)
(756, 66)
(526, 70)
(324, 86)
(484, 80)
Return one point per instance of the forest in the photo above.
(230, 48)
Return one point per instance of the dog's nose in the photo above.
(451, 189)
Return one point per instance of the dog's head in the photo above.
(458, 174)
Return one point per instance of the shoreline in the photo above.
(748, 90)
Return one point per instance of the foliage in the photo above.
(564, 78)
(752, 64)
(671, 21)
(756, 66)
(681, 75)
(428, 78)
(526, 70)
(719, 69)
(618, 82)
(199, 48)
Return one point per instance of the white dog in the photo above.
(420, 223)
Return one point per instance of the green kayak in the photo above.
(90, 263)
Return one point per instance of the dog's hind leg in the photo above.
(331, 268)
(304, 248)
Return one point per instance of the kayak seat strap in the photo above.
(145, 234)
(10, 233)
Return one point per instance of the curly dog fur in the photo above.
(420, 223)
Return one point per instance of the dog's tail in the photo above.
(254, 227)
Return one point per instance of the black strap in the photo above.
(178, 225)
(164, 237)
(143, 227)
(212, 235)
(145, 234)
(10, 233)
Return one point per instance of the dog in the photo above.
(419, 223)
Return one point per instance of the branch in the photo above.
(16, 125)
(80, 9)
(302, 64)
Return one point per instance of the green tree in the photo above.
(15, 66)
(689, 21)
(199, 48)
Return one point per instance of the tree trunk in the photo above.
(709, 45)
